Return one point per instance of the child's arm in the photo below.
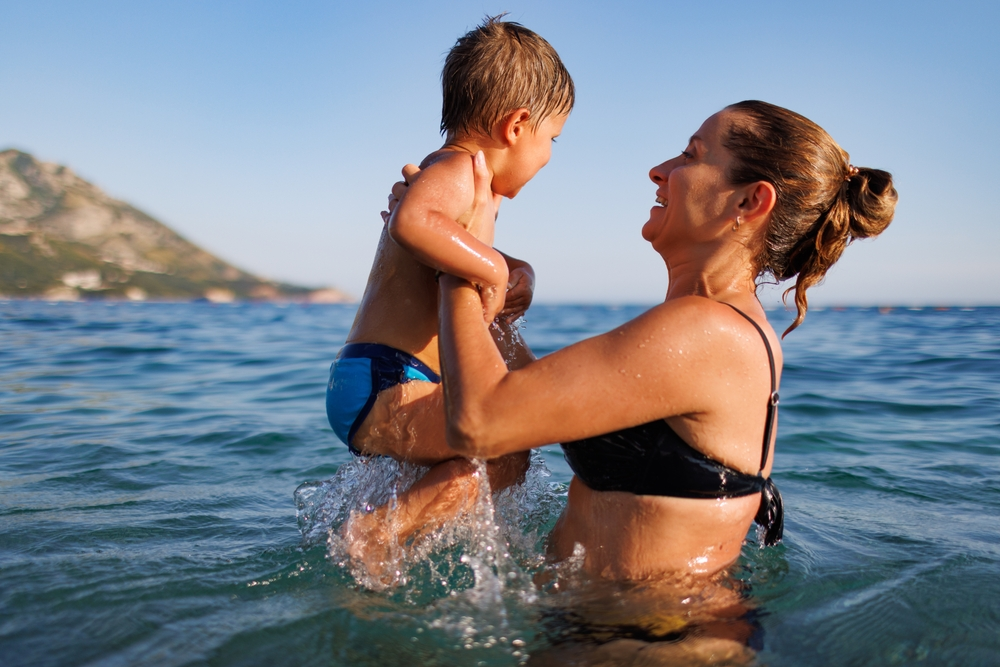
(425, 223)
(520, 288)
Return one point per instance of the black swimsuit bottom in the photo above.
(651, 459)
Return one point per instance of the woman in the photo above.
(669, 420)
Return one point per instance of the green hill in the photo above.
(63, 238)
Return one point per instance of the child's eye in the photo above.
(553, 140)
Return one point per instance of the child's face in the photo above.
(527, 156)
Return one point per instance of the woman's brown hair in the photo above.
(823, 203)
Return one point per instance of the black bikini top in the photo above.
(651, 459)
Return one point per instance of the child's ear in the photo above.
(514, 125)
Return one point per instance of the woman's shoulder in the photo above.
(699, 312)
(712, 326)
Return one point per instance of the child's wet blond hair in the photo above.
(497, 68)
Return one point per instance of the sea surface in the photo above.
(150, 456)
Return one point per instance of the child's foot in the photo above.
(373, 545)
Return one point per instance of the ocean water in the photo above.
(150, 453)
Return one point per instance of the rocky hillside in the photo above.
(63, 238)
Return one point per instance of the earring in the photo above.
(736, 227)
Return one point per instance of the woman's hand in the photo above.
(483, 215)
(410, 172)
(485, 204)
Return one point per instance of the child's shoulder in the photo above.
(447, 159)
(446, 172)
(444, 183)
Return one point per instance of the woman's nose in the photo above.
(661, 172)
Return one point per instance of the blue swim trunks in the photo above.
(359, 373)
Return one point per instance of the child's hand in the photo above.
(520, 289)
(493, 300)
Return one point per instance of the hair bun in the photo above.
(823, 202)
(871, 199)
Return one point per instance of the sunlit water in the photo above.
(149, 454)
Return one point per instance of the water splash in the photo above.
(509, 340)
(468, 582)
(490, 550)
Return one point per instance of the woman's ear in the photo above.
(514, 125)
(758, 201)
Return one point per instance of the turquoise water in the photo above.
(149, 454)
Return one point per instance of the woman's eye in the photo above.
(687, 156)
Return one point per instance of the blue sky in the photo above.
(270, 132)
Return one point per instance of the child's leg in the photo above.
(407, 423)
(507, 470)
(447, 491)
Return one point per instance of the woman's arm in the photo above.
(653, 367)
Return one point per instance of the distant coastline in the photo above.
(308, 297)
(63, 239)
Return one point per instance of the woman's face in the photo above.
(694, 198)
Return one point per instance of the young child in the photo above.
(506, 94)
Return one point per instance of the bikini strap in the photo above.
(772, 403)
